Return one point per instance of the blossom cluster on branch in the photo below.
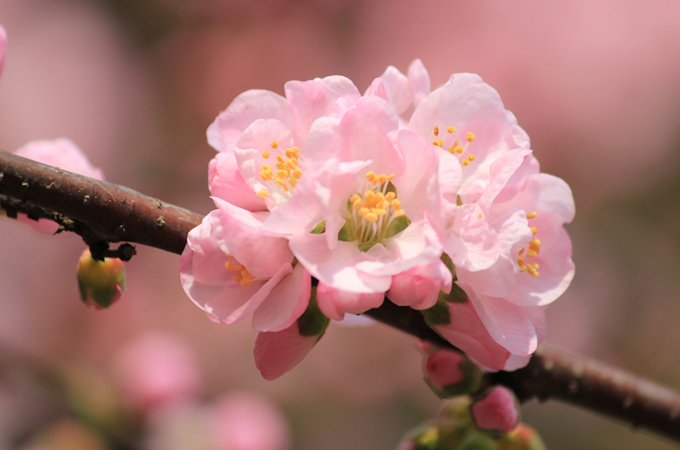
(328, 200)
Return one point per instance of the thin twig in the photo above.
(103, 212)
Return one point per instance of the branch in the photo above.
(103, 212)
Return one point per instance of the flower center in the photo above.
(376, 214)
(287, 174)
(532, 250)
(241, 275)
(455, 148)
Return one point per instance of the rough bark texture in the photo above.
(103, 212)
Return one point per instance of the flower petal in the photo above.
(226, 130)
(278, 352)
(226, 182)
(335, 303)
(419, 287)
(418, 82)
(286, 302)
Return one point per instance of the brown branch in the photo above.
(103, 212)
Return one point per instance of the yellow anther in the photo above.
(391, 177)
(297, 151)
(362, 211)
(451, 150)
(438, 143)
(396, 204)
(275, 144)
(459, 149)
(521, 251)
(436, 130)
(282, 173)
(471, 157)
(281, 183)
(265, 154)
(246, 282)
(380, 211)
(280, 159)
(390, 196)
(293, 182)
(370, 175)
(356, 204)
(535, 243)
(399, 213)
(262, 193)
(534, 230)
(237, 277)
(290, 153)
(470, 137)
(531, 253)
(479, 216)
(371, 217)
(532, 271)
(532, 215)
(266, 167)
(533, 265)
(522, 268)
(354, 198)
(382, 178)
(520, 261)
(450, 130)
(465, 162)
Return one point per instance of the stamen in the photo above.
(534, 230)
(450, 130)
(532, 215)
(438, 143)
(262, 193)
(436, 130)
(470, 137)
(265, 154)
(275, 144)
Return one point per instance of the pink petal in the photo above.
(335, 303)
(509, 325)
(60, 153)
(286, 302)
(226, 182)
(472, 245)
(261, 254)
(278, 352)
(226, 130)
(498, 279)
(336, 267)
(397, 86)
(467, 332)
(501, 170)
(312, 99)
(419, 82)
(454, 104)
(378, 89)
(419, 287)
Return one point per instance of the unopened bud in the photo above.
(477, 441)
(523, 437)
(496, 411)
(450, 373)
(101, 283)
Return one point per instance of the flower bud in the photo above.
(496, 411)
(450, 373)
(477, 441)
(100, 282)
(523, 437)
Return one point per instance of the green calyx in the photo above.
(312, 322)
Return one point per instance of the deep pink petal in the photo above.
(226, 130)
(286, 302)
(467, 332)
(278, 352)
(419, 287)
(335, 303)
(226, 182)
(336, 267)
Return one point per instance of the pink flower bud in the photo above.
(158, 369)
(101, 283)
(278, 352)
(523, 437)
(450, 373)
(496, 411)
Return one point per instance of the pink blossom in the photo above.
(60, 153)
(442, 368)
(156, 370)
(335, 303)
(231, 270)
(278, 352)
(248, 421)
(3, 47)
(497, 410)
(420, 286)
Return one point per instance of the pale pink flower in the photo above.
(442, 368)
(247, 421)
(231, 270)
(420, 286)
(156, 370)
(497, 410)
(60, 153)
(3, 47)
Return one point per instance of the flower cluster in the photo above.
(328, 200)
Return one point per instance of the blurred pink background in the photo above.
(135, 83)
